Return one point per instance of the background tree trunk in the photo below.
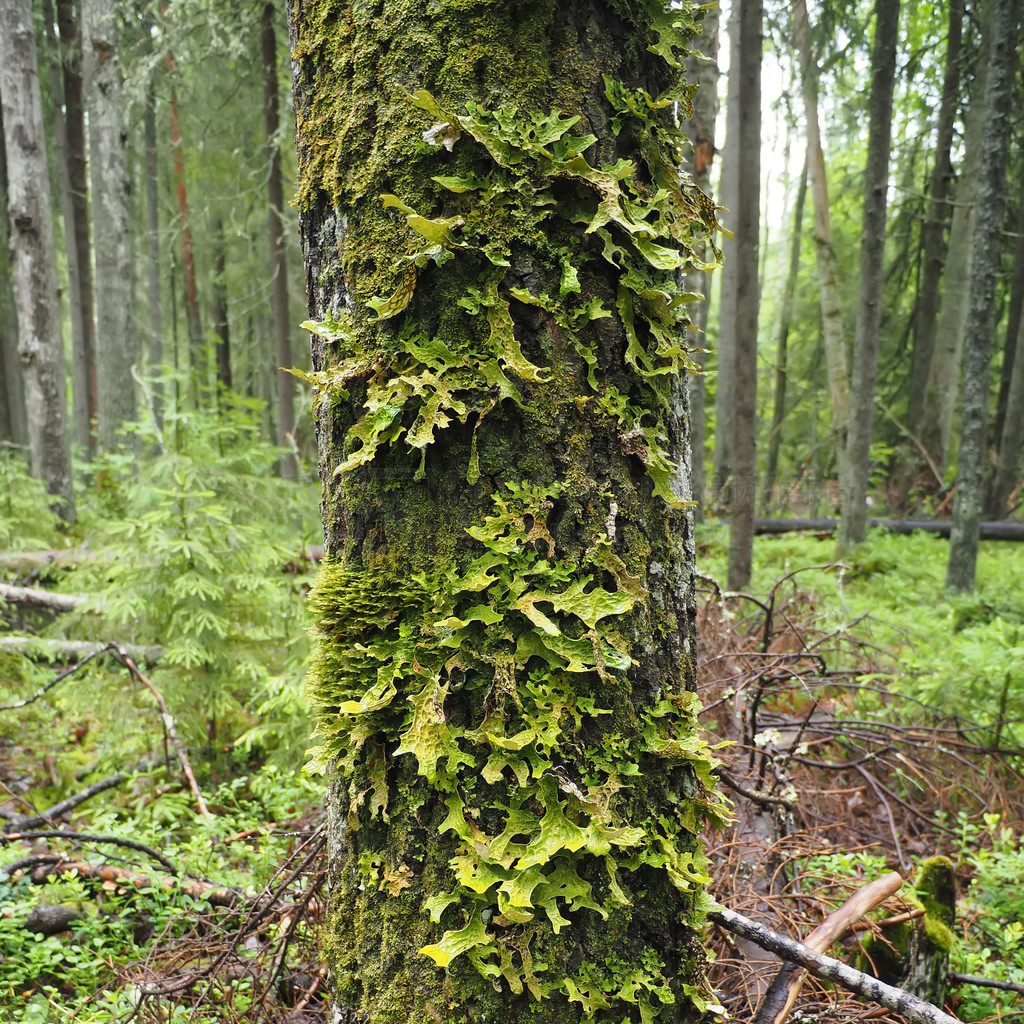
(154, 283)
(284, 382)
(505, 469)
(33, 258)
(985, 258)
(781, 347)
(853, 503)
(700, 129)
(13, 427)
(748, 210)
(933, 232)
(940, 400)
(116, 349)
(725, 338)
(828, 275)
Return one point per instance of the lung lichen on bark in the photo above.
(504, 663)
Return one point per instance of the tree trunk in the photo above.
(33, 258)
(853, 503)
(278, 250)
(985, 258)
(728, 197)
(700, 129)
(66, 87)
(940, 398)
(220, 306)
(153, 276)
(828, 274)
(933, 232)
(13, 426)
(193, 321)
(748, 209)
(116, 347)
(782, 344)
(1010, 439)
(997, 493)
(503, 463)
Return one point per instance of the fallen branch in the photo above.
(59, 678)
(42, 865)
(33, 598)
(835, 971)
(20, 822)
(987, 531)
(90, 837)
(970, 979)
(49, 650)
(782, 994)
(172, 731)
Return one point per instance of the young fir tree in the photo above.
(493, 220)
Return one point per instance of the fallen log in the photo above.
(50, 650)
(32, 597)
(940, 527)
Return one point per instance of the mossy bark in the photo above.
(508, 591)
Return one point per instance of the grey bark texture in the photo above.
(828, 274)
(13, 427)
(746, 239)
(704, 73)
(154, 288)
(940, 399)
(725, 338)
(868, 325)
(117, 350)
(985, 258)
(33, 256)
(933, 231)
(284, 382)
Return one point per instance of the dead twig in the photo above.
(828, 969)
(90, 837)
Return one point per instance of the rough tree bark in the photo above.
(154, 289)
(33, 256)
(117, 350)
(493, 225)
(853, 502)
(748, 221)
(933, 231)
(985, 258)
(13, 427)
(940, 399)
(725, 338)
(704, 72)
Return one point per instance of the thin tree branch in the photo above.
(970, 979)
(33, 598)
(89, 837)
(914, 1009)
(172, 731)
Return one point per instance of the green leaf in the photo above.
(557, 832)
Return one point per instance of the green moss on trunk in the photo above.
(493, 218)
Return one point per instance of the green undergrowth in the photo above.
(962, 655)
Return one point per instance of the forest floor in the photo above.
(868, 725)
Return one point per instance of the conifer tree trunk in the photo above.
(725, 339)
(493, 225)
(853, 503)
(985, 258)
(933, 231)
(747, 237)
(782, 343)
(33, 256)
(828, 274)
(278, 250)
(154, 297)
(700, 129)
(13, 427)
(116, 348)
(942, 387)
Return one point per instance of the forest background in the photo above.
(159, 488)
